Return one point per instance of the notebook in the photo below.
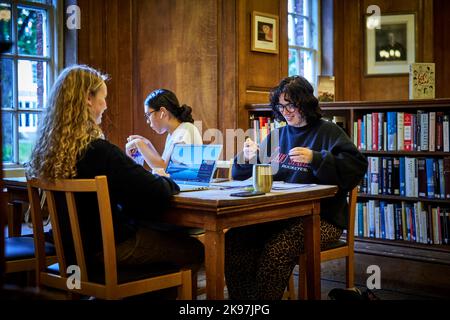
(192, 166)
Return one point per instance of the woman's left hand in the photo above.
(303, 155)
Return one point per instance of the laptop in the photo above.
(192, 166)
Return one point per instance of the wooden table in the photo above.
(215, 210)
(17, 198)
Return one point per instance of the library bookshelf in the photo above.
(428, 250)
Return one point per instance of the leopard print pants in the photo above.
(259, 259)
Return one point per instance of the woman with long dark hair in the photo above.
(164, 114)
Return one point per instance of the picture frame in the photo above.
(390, 45)
(264, 32)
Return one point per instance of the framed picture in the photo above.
(264, 32)
(390, 47)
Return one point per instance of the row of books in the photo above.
(408, 177)
(402, 131)
(414, 222)
(262, 126)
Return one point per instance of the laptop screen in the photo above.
(193, 164)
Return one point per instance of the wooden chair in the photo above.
(338, 250)
(113, 283)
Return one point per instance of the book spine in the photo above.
(446, 133)
(392, 131)
(375, 131)
(422, 173)
(439, 131)
(400, 131)
(432, 131)
(407, 132)
(424, 131)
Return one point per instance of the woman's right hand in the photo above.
(250, 149)
(131, 147)
(135, 136)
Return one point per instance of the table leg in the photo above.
(214, 264)
(312, 249)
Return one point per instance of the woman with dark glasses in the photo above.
(259, 259)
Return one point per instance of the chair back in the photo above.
(69, 188)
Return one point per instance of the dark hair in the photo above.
(167, 99)
(299, 92)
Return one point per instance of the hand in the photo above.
(250, 149)
(131, 147)
(135, 136)
(303, 155)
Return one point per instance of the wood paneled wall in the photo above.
(442, 47)
(198, 49)
(258, 71)
(349, 39)
(105, 43)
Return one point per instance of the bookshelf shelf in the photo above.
(400, 198)
(404, 250)
(406, 153)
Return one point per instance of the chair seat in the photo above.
(19, 248)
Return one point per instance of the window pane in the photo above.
(299, 32)
(7, 83)
(299, 6)
(32, 84)
(307, 65)
(5, 23)
(7, 137)
(294, 63)
(28, 126)
(301, 62)
(32, 31)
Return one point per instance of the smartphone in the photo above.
(247, 194)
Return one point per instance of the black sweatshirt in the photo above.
(336, 161)
(135, 194)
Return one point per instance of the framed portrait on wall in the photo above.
(390, 46)
(264, 32)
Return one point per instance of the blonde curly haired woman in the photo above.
(71, 145)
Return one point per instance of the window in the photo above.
(303, 33)
(26, 72)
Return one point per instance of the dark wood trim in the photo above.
(368, 105)
(70, 39)
(406, 153)
(327, 41)
(4, 46)
(436, 254)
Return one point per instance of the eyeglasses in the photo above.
(147, 115)
(289, 108)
